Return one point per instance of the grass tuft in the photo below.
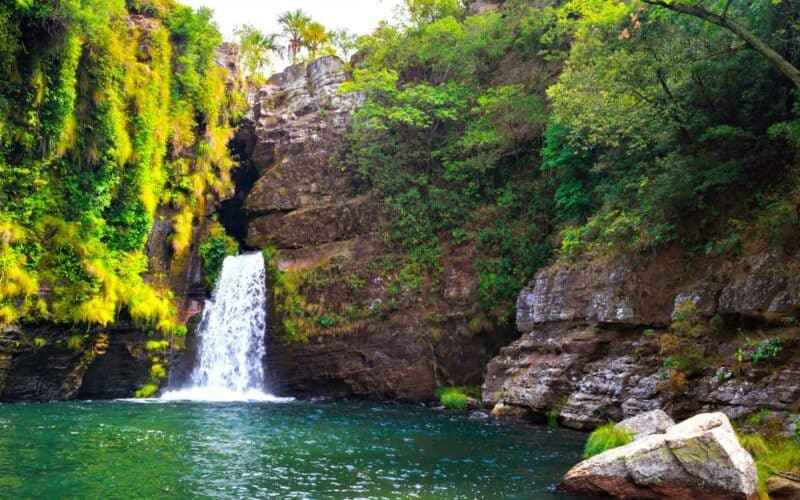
(772, 456)
(453, 398)
(605, 438)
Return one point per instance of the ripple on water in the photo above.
(167, 449)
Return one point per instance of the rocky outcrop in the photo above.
(699, 458)
(375, 327)
(593, 334)
(392, 363)
(50, 363)
(645, 291)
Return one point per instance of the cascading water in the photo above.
(231, 350)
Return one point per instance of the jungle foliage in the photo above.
(108, 110)
(581, 126)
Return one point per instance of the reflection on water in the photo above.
(262, 450)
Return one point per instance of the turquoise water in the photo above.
(293, 450)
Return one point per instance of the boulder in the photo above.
(646, 424)
(502, 410)
(783, 487)
(700, 458)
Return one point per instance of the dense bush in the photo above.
(213, 251)
(453, 153)
(673, 126)
(585, 126)
(102, 119)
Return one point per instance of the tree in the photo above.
(345, 42)
(724, 21)
(256, 49)
(314, 36)
(294, 23)
(424, 12)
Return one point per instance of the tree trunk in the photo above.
(784, 66)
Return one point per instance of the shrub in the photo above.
(147, 391)
(767, 350)
(604, 438)
(453, 398)
(213, 251)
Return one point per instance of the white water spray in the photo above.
(232, 349)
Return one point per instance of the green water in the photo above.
(293, 450)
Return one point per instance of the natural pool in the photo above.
(269, 450)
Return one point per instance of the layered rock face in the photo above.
(372, 334)
(43, 363)
(593, 335)
(699, 458)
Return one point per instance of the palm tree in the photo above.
(314, 36)
(255, 48)
(293, 24)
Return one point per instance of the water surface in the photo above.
(268, 450)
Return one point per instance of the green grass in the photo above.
(771, 456)
(605, 438)
(453, 398)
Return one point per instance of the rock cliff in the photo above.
(373, 330)
(600, 340)
(43, 363)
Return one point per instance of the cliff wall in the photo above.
(349, 318)
(609, 338)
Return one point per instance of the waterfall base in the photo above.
(229, 365)
(222, 395)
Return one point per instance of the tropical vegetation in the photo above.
(580, 127)
(113, 114)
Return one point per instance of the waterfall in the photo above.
(229, 365)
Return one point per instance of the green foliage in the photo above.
(289, 303)
(102, 119)
(773, 455)
(327, 321)
(449, 151)
(453, 398)
(766, 350)
(604, 438)
(636, 96)
(146, 391)
(681, 348)
(422, 12)
(75, 343)
(256, 50)
(213, 251)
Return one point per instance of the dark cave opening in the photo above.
(231, 212)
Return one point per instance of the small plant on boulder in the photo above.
(604, 438)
